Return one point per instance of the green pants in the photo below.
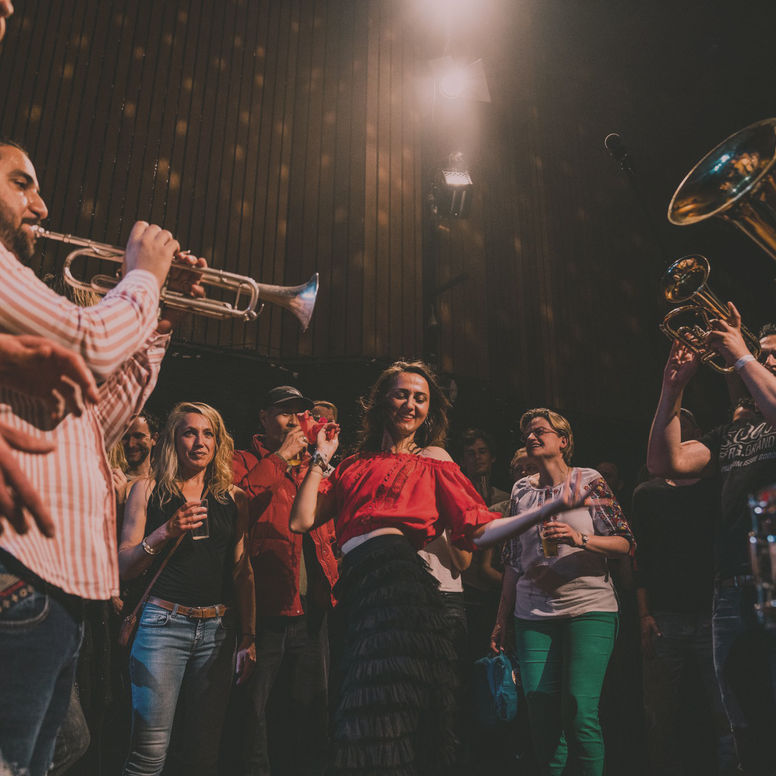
(562, 664)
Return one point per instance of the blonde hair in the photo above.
(218, 475)
(558, 423)
(117, 459)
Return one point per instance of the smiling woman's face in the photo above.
(542, 440)
(406, 404)
(195, 441)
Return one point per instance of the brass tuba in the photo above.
(685, 283)
(734, 181)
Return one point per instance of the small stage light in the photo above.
(452, 189)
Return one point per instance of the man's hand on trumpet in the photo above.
(153, 249)
(680, 368)
(150, 248)
(725, 337)
(182, 280)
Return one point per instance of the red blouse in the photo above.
(422, 496)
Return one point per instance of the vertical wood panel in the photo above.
(273, 138)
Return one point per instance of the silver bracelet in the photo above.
(743, 360)
(148, 548)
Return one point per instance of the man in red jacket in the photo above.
(294, 574)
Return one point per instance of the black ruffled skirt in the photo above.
(396, 710)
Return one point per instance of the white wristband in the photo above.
(743, 360)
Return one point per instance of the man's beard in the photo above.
(14, 238)
(138, 455)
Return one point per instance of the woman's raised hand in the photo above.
(328, 440)
(574, 495)
(186, 518)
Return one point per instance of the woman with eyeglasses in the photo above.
(183, 654)
(557, 596)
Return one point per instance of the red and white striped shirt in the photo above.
(117, 342)
(106, 334)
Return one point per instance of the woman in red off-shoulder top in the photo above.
(397, 678)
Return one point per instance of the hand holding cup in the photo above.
(186, 518)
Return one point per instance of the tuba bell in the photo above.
(734, 181)
(685, 283)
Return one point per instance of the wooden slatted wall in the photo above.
(275, 138)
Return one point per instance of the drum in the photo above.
(762, 553)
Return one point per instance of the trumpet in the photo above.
(685, 281)
(243, 293)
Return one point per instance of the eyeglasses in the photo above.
(538, 433)
(764, 355)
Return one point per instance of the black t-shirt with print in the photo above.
(675, 527)
(745, 454)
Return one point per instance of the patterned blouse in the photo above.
(574, 581)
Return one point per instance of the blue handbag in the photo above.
(495, 689)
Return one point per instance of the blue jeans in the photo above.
(40, 634)
(686, 642)
(181, 669)
(745, 664)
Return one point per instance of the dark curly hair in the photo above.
(767, 330)
(471, 435)
(434, 428)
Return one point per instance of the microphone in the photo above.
(617, 149)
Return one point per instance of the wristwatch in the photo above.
(585, 540)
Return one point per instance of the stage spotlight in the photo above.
(457, 178)
(460, 82)
(452, 84)
(452, 189)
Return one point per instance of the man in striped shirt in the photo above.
(59, 377)
(44, 579)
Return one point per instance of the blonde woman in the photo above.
(181, 660)
(557, 594)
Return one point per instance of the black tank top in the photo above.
(200, 572)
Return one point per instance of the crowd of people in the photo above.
(293, 608)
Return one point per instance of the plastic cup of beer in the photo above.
(549, 546)
(203, 531)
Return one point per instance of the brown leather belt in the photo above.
(200, 612)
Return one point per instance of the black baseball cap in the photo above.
(287, 395)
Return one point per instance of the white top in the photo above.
(437, 554)
(576, 581)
